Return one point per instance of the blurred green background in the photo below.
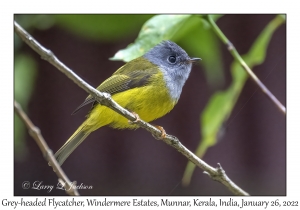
(219, 106)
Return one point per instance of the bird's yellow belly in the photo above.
(149, 102)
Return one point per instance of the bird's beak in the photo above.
(193, 60)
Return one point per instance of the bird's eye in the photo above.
(172, 59)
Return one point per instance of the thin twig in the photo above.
(47, 152)
(217, 174)
(239, 59)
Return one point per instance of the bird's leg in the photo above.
(137, 118)
(163, 133)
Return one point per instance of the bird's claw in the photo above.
(137, 118)
(163, 133)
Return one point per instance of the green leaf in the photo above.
(221, 103)
(158, 28)
(216, 17)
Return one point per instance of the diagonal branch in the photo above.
(217, 174)
(239, 59)
(47, 152)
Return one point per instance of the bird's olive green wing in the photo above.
(131, 75)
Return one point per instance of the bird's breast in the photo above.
(150, 102)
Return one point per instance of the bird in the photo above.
(148, 86)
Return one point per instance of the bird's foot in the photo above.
(163, 133)
(137, 118)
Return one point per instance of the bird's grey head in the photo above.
(175, 64)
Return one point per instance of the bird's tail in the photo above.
(77, 138)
